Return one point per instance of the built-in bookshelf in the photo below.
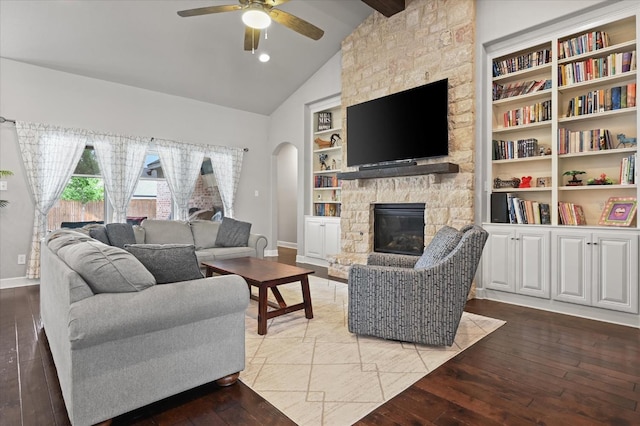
(326, 161)
(566, 105)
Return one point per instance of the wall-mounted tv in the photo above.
(408, 125)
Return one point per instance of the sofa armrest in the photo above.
(258, 242)
(113, 316)
(395, 260)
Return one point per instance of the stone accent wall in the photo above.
(429, 41)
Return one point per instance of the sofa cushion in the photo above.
(445, 240)
(167, 232)
(204, 233)
(120, 234)
(233, 233)
(99, 232)
(106, 269)
(64, 237)
(168, 263)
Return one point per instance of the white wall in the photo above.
(30, 93)
(289, 123)
(287, 188)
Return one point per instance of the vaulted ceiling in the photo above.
(144, 43)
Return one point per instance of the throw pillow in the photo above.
(106, 269)
(445, 240)
(99, 232)
(168, 263)
(120, 234)
(233, 233)
(205, 233)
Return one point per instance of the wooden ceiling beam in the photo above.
(387, 7)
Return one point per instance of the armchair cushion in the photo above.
(233, 233)
(168, 263)
(445, 240)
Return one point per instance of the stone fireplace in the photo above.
(398, 228)
(426, 42)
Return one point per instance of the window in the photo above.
(83, 198)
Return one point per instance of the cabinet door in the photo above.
(331, 237)
(498, 260)
(570, 267)
(532, 263)
(313, 238)
(615, 271)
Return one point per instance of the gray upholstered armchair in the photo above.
(416, 299)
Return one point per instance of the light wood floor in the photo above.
(540, 368)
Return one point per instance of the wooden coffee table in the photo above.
(264, 275)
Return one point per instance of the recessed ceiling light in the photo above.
(264, 57)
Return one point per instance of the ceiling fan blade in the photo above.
(296, 24)
(251, 38)
(208, 10)
(274, 3)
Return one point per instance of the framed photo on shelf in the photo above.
(619, 211)
(542, 182)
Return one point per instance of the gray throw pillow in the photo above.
(233, 233)
(445, 240)
(99, 232)
(120, 234)
(106, 269)
(168, 263)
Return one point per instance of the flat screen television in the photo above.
(408, 125)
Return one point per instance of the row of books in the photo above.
(613, 98)
(540, 111)
(592, 68)
(583, 140)
(327, 209)
(326, 182)
(519, 88)
(628, 170)
(506, 150)
(521, 62)
(587, 42)
(571, 214)
(527, 211)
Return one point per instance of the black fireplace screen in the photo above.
(398, 228)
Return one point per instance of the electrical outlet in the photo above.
(3, 185)
(22, 259)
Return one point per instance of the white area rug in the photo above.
(317, 373)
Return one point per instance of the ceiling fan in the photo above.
(257, 15)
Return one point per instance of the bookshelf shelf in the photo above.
(326, 161)
(614, 40)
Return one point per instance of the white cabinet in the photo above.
(516, 260)
(322, 236)
(596, 268)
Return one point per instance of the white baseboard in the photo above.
(287, 244)
(312, 261)
(17, 282)
(271, 253)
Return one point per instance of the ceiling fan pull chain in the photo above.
(266, 34)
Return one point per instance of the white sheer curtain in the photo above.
(50, 155)
(227, 164)
(181, 165)
(121, 160)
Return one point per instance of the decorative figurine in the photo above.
(525, 182)
(624, 141)
(323, 161)
(573, 181)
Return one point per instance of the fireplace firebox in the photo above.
(398, 228)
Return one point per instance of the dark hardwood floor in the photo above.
(539, 368)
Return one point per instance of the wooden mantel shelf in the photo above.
(422, 169)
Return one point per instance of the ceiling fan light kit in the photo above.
(256, 17)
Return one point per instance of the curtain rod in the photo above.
(3, 120)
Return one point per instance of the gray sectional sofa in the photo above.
(204, 234)
(121, 341)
